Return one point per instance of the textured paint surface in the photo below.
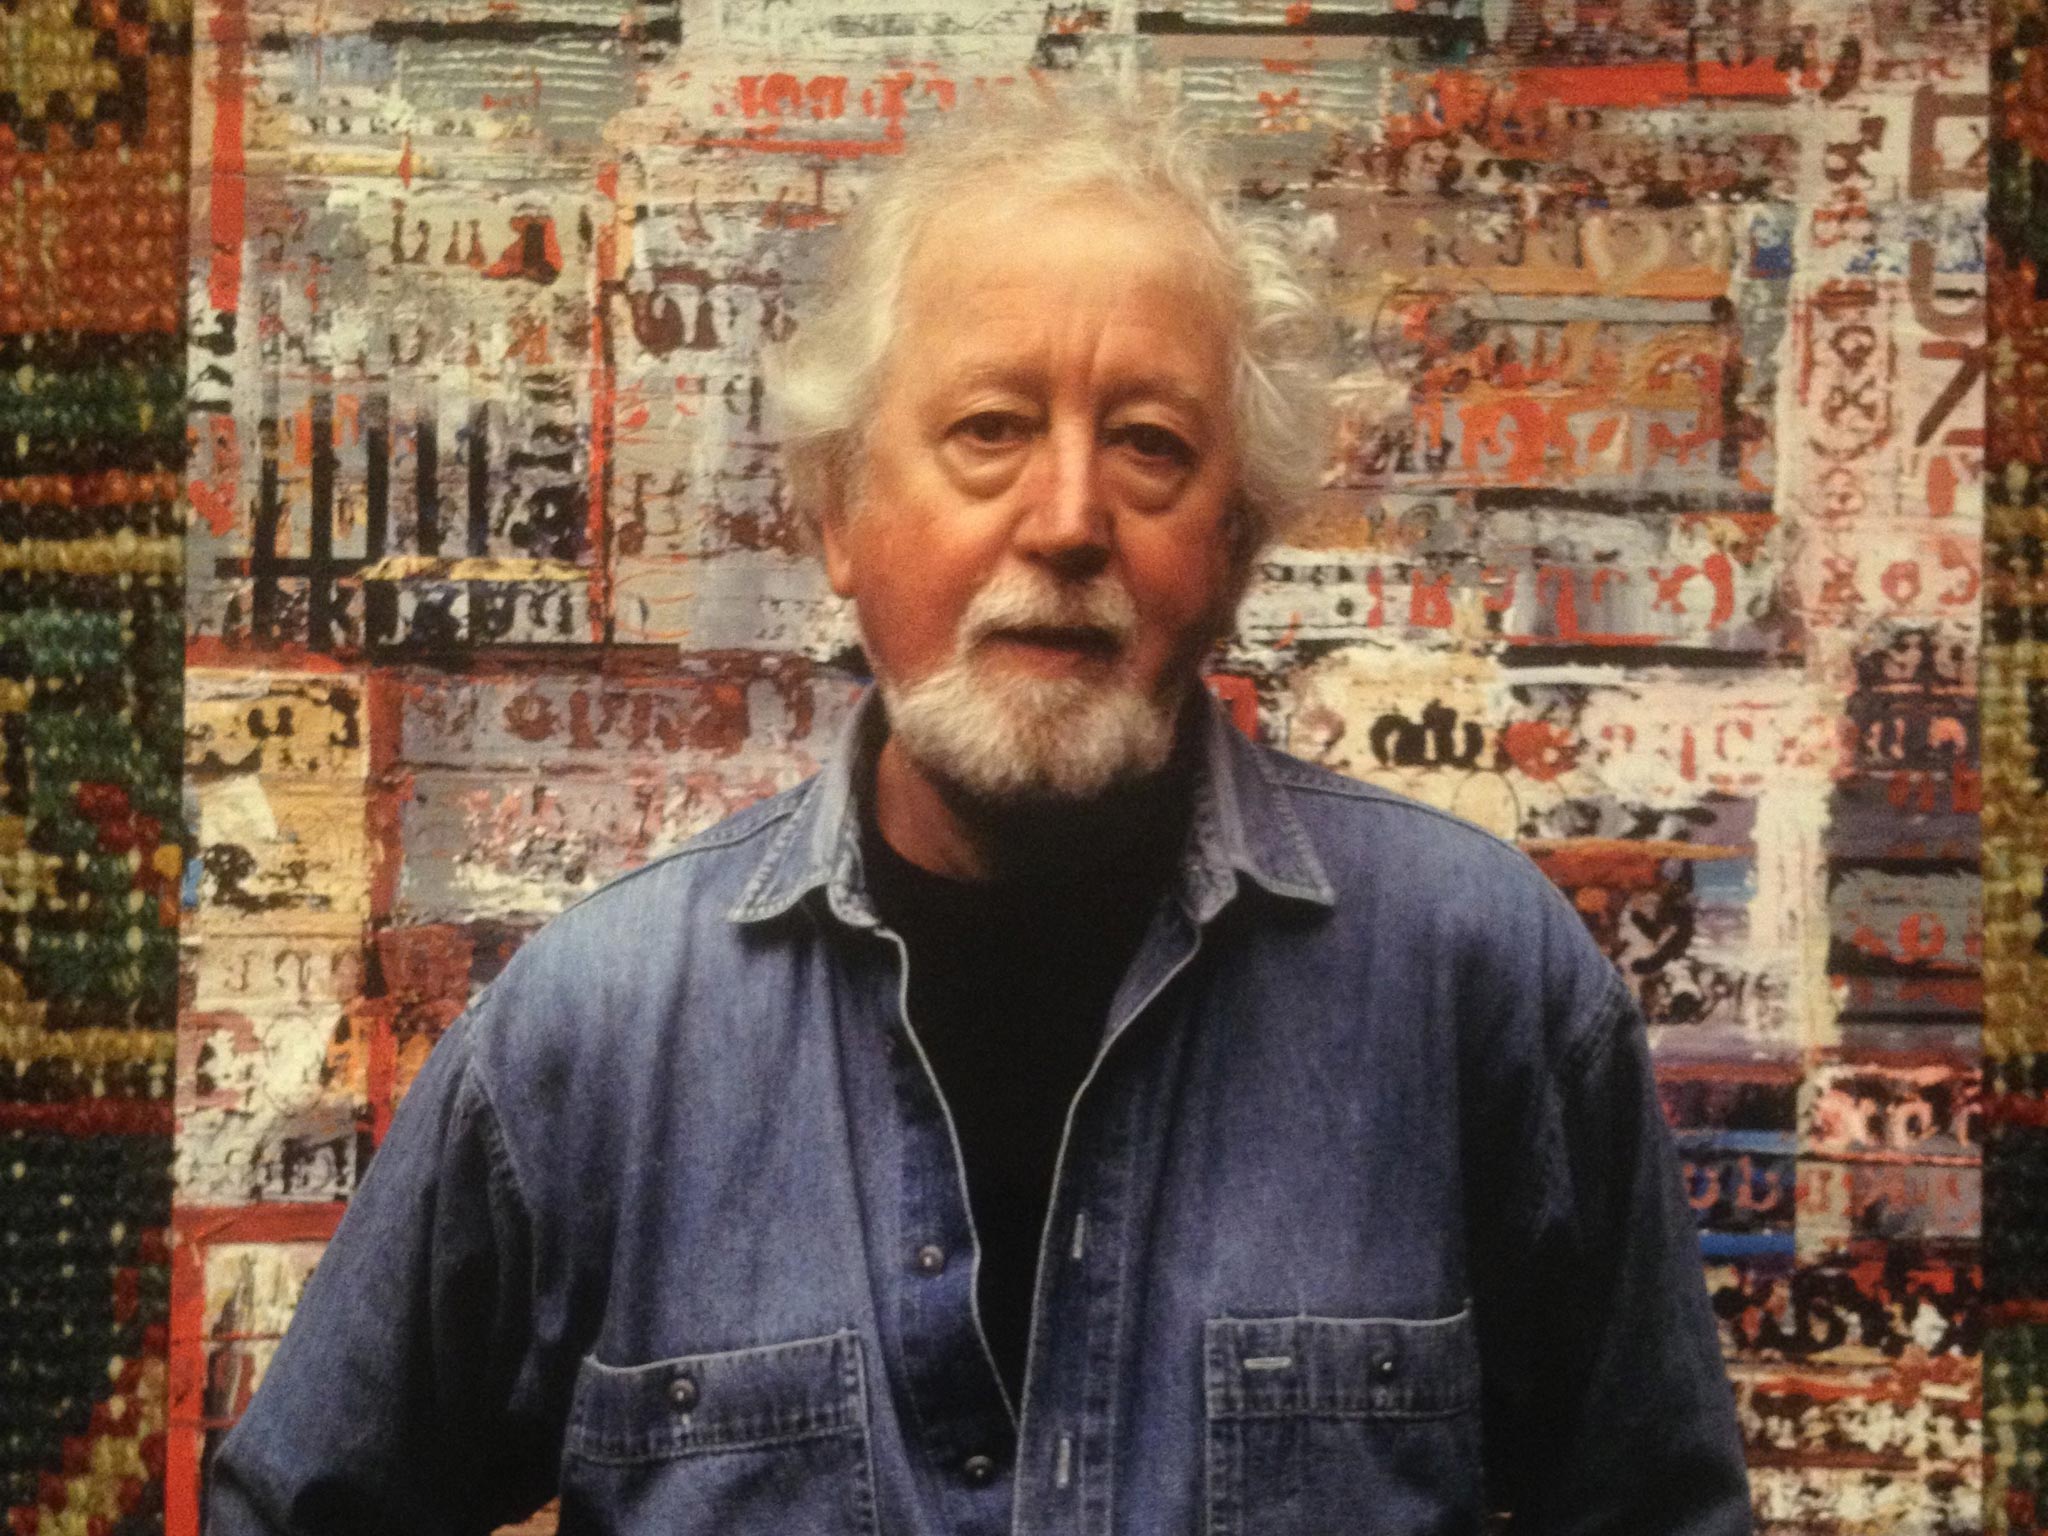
(1651, 537)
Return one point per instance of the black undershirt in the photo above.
(1010, 986)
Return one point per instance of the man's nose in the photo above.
(1065, 521)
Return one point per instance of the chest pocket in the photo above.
(769, 1440)
(1341, 1426)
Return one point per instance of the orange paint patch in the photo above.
(1649, 84)
(212, 651)
(1615, 864)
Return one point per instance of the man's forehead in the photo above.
(994, 301)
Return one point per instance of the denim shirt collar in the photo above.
(1242, 825)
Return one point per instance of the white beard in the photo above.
(1008, 737)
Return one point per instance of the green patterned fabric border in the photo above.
(94, 123)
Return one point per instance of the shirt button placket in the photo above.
(959, 1404)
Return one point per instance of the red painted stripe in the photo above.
(278, 1221)
(226, 184)
(91, 1117)
(766, 141)
(195, 1228)
(604, 398)
(380, 1066)
(390, 787)
(1575, 636)
(1716, 1070)
(183, 1438)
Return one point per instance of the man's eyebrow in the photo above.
(991, 375)
(1025, 380)
(1167, 391)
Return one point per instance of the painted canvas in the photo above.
(1650, 536)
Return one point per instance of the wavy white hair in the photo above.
(1038, 145)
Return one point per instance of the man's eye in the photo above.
(1155, 442)
(992, 429)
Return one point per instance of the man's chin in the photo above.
(1029, 743)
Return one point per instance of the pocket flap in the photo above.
(1368, 1367)
(727, 1400)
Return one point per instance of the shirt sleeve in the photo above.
(404, 1396)
(1608, 1405)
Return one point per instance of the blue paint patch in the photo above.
(1744, 1245)
(1724, 882)
(1764, 1143)
(1770, 244)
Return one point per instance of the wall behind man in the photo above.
(1651, 539)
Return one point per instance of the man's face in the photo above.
(1043, 547)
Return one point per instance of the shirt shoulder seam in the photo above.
(496, 1147)
(1608, 1012)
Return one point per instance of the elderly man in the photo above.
(1061, 1114)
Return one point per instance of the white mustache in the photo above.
(1023, 599)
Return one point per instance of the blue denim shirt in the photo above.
(1365, 1220)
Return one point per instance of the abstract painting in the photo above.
(1651, 536)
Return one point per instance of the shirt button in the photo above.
(930, 1259)
(682, 1394)
(1384, 1367)
(979, 1470)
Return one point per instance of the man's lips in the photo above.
(1079, 640)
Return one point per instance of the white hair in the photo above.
(1038, 146)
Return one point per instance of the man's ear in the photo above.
(1242, 544)
(818, 476)
(1242, 538)
(835, 544)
